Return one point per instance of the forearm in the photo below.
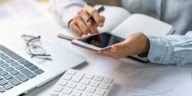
(65, 10)
(173, 49)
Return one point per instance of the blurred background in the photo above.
(23, 9)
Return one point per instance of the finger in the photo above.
(118, 46)
(89, 34)
(92, 12)
(109, 54)
(103, 54)
(91, 26)
(82, 26)
(115, 48)
(84, 15)
(77, 30)
(73, 27)
(84, 35)
(113, 51)
(106, 51)
(102, 21)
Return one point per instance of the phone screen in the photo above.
(102, 40)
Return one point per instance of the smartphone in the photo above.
(101, 42)
(98, 42)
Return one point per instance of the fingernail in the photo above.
(89, 23)
(83, 36)
(79, 33)
(101, 24)
(89, 34)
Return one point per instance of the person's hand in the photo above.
(136, 43)
(79, 23)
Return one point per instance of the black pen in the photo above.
(99, 10)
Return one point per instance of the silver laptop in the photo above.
(18, 75)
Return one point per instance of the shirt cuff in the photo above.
(160, 50)
(67, 10)
(66, 19)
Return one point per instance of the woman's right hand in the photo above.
(84, 27)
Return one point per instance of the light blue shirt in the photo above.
(174, 49)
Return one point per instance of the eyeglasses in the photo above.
(33, 47)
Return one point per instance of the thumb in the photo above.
(118, 46)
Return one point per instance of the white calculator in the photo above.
(78, 83)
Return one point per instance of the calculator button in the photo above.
(86, 94)
(85, 81)
(94, 84)
(58, 88)
(100, 92)
(67, 77)
(104, 86)
(107, 80)
(67, 91)
(90, 89)
(88, 76)
(98, 78)
(76, 93)
(54, 93)
(71, 72)
(81, 87)
(62, 83)
(72, 85)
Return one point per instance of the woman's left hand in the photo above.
(136, 43)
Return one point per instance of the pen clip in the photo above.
(101, 9)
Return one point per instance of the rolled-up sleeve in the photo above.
(172, 49)
(65, 10)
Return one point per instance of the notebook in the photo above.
(142, 23)
(123, 23)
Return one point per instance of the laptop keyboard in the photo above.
(15, 70)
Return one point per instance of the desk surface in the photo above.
(132, 78)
